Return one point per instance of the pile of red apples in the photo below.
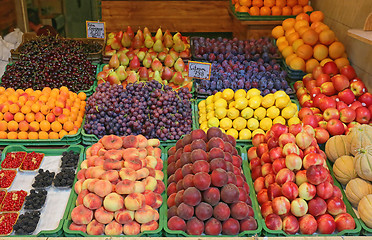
(333, 99)
(294, 187)
(207, 191)
(119, 187)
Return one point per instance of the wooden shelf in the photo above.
(361, 35)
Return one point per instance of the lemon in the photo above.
(247, 113)
(241, 103)
(209, 100)
(233, 133)
(228, 94)
(241, 93)
(294, 120)
(202, 111)
(257, 131)
(225, 123)
(279, 94)
(289, 112)
(281, 102)
(245, 134)
(202, 118)
(210, 107)
(255, 101)
(266, 123)
(268, 100)
(272, 112)
(232, 104)
(253, 92)
(294, 105)
(259, 113)
(279, 119)
(252, 124)
(220, 103)
(213, 122)
(233, 113)
(201, 104)
(210, 115)
(239, 123)
(222, 130)
(217, 96)
(220, 112)
(204, 125)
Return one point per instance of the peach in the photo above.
(79, 199)
(266, 209)
(290, 224)
(139, 187)
(158, 202)
(110, 175)
(151, 161)
(211, 196)
(150, 226)
(301, 177)
(78, 186)
(299, 207)
(185, 211)
(132, 228)
(178, 198)
(142, 153)
(273, 222)
(130, 154)
(102, 188)
(248, 224)
(113, 202)
(97, 171)
(92, 201)
(84, 165)
(91, 183)
(231, 227)
(172, 211)
(130, 141)
(8, 116)
(134, 201)
(150, 197)
(221, 211)
(160, 187)
(95, 228)
(81, 174)
(230, 193)
(77, 227)
(153, 142)
(156, 215)
(142, 141)
(239, 210)
(212, 227)
(176, 223)
(103, 216)
(142, 173)
(102, 152)
(81, 215)
(157, 152)
(128, 173)
(150, 183)
(114, 155)
(85, 183)
(198, 154)
(144, 214)
(219, 177)
(150, 151)
(125, 187)
(124, 216)
(113, 228)
(23, 126)
(95, 148)
(151, 172)
(201, 166)
(192, 196)
(194, 226)
(111, 164)
(202, 180)
(159, 175)
(159, 164)
(203, 211)
(135, 164)
(38, 117)
(111, 142)
(284, 175)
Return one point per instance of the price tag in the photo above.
(200, 70)
(96, 29)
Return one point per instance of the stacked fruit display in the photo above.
(244, 114)
(207, 190)
(51, 62)
(293, 184)
(332, 97)
(150, 109)
(306, 42)
(272, 7)
(141, 67)
(46, 114)
(119, 187)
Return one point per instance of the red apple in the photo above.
(298, 84)
(315, 91)
(309, 130)
(344, 221)
(341, 105)
(302, 99)
(348, 71)
(327, 102)
(358, 87)
(346, 96)
(310, 120)
(278, 129)
(304, 111)
(322, 78)
(328, 89)
(307, 77)
(317, 99)
(317, 71)
(366, 99)
(315, 110)
(363, 115)
(308, 224)
(331, 113)
(340, 82)
(319, 117)
(321, 135)
(308, 103)
(295, 128)
(286, 138)
(330, 68)
(301, 91)
(310, 85)
(323, 124)
(355, 105)
(347, 115)
(257, 139)
(335, 127)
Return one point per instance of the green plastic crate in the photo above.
(178, 233)
(74, 195)
(349, 209)
(48, 152)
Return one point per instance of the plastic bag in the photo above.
(5, 48)
(14, 37)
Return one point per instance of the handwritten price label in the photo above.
(96, 29)
(200, 70)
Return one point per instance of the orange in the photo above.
(257, 3)
(280, 3)
(35, 107)
(324, 61)
(317, 16)
(33, 135)
(68, 126)
(302, 30)
(303, 16)
(282, 45)
(3, 135)
(254, 11)
(340, 62)
(280, 40)
(44, 109)
(297, 10)
(288, 23)
(276, 11)
(291, 3)
(18, 117)
(293, 37)
(269, 3)
(243, 9)
(301, 23)
(53, 135)
(62, 133)
(310, 37)
(288, 50)
(320, 52)
(43, 135)
(12, 135)
(336, 50)
(44, 125)
(305, 51)
(265, 11)
(297, 64)
(286, 11)
(308, 8)
(314, 25)
(290, 58)
(56, 126)
(22, 135)
(26, 109)
(311, 64)
(13, 108)
(321, 28)
(303, 2)
(327, 37)
(34, 126)
(289, 32)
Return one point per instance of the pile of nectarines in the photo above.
(119, 187)
(207, 191)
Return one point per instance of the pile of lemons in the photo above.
(243, 114)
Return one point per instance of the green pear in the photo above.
(126, 40)
(149, 42)
(114, 61)
(179, 65)
(147, 61)
(159, 35)
(157, 76)
(124, 60)
(158, 46)
(177, 36)
(179, 46)
(122, 74)
(146, 32)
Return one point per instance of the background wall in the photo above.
(342, 15)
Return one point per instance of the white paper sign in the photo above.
(95, 29)
(200, 70)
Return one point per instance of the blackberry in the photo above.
(69, 159)
(36, 199)
(27, 223)
(43, 179)
(64, 178)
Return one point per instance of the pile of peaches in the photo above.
(40, 114)
(119, 187)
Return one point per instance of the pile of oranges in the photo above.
(306, 42)
(272, 7)
(40, 114)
